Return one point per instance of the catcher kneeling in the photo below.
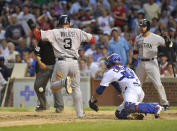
(125, 81)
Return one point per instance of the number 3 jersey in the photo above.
(124, 76)
(66, 41)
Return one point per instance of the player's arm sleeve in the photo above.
(116, 87)
(106, 80)
(47, 35)
(161, 41)
(86, 37)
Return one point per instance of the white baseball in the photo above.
(41, 89)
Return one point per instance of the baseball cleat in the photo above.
(160, 108)
(58, 110)
(68, 85)
(166, 107)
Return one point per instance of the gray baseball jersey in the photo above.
(66, 41)
(147, 48)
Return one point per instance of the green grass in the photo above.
(101, 125)
(116, 125)
(26, 109)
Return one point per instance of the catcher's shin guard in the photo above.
(141, 107)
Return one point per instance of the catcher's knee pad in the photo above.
(130, 107)
(122, 114)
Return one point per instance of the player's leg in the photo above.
(134, 104)
(42, 78)
(140, 72)
(121, 112)
(154, 75)
(74, 73)
(58, 97)
(59, 76)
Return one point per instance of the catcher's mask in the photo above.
(112, 60)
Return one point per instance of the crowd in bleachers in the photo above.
(108, 20)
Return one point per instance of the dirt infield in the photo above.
(35, 118)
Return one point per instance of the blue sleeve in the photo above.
(109, 48)
(100, 89)
(126, 45)
(116, 86)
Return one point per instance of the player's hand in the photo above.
(92, 104)
(37, 51)
(167, 41)
(31, 24)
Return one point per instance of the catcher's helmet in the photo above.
(145, 22)
(64, 19)
(112, 59)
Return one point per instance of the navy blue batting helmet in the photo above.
(64, 19)
(112, 59)
(145, 22)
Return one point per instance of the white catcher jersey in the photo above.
(147, 46)
(124, 76)
(66, 41)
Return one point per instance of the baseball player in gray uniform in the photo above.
(146, 45)
(66, 42)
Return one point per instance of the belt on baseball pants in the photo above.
(147, 59)
(62, 58)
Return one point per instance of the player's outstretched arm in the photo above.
(93, 100)
(34, 29)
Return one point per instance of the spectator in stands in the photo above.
(81, 53)
(136, 20)
(99, 73)
(92, 66)
(163, 65)
(25, 16)
(75, 7)
(86, 20)
(5, 71)
(4, 48)
(5, 18)
(151, 10)
(45, 22)
(22, 47)
(10, 57)
(105, 22)
(154, 25)
(169, 72)
(84, 72)
(18, 58)
(119, 45)
(2, 33)
(100, 5)
(18, 13)
(91, 50)
(14, 31)
(27, 59)
(75, 20)
(106, 39)
(119, 14)
(97, 55)
(164, 16)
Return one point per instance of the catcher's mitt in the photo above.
(92, 104)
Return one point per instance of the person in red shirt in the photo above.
(119, 13)
(163, 65)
